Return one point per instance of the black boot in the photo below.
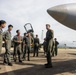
(23, 58)
(15, 60)
(5, 62)
(48, 66)
(10, 64)
(28, 59)
(20, 61)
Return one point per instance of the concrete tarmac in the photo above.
(63, 64)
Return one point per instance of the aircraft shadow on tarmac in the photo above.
(58, 67)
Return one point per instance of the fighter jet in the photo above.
(65, 14)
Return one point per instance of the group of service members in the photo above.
(49, 46)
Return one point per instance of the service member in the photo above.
(49, 43)
(56, 43)
(24, 46)
(28, 45)
(7, 40)
(17, 46)
(44, 46)
(2, 25)
(36, 46)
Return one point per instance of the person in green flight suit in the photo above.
(56, 43)
(24, 46)
(17, 39)
(7, 40)
(28, 44)
(2, 25)
(49, 43)
(36, 46)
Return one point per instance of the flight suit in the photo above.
(55, 47)
(24, 47)
(17, 48)
(49, 43)
(7, 38)
(1, 40)
(44, 47)
(28, 47)
(36, 46)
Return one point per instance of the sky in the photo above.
(20, 12)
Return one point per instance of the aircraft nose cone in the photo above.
(65, 14)
(58, 12)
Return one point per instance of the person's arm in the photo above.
(26, 41)
(21, 39)
(4, 36)
(15, 39)
(57, 43)
(38, 41)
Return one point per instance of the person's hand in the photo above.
(5, 41)
(24, 44)
(45, 38)
(20, 42)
